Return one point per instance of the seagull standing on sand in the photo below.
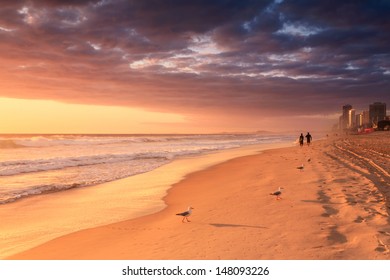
(277, 193)
(301, 167)
(186, 214)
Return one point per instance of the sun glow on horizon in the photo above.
(45, 116)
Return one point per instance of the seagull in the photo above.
(301, 167)
(186, 214)
(277, 193)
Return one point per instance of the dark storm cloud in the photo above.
(252, 56)
(178, 16)
(343, 14)
(59, 3)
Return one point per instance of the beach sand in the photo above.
(336, 208)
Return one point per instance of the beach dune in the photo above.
(336, 208)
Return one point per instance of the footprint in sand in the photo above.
(336, 237)
(382, 247)
(329, 211)
(359, 220)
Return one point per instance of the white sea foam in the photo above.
(31, 165)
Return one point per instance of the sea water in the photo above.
(37, 164)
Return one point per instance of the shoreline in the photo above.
(48, 164)
(82, 208)
(330, 210)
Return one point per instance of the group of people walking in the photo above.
(302, 138)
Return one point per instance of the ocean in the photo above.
(37, 164)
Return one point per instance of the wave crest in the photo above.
(10, 144)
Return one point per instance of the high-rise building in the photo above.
(366, 118)
(345, 116)
(351, 118)
(359, 120)
(341, 122)
(377, 112)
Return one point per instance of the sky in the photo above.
(200, 66)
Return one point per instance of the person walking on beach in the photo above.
(301, 140)
(308, 138)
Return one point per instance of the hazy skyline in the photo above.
(116, 66)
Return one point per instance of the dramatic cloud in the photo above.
(286, 58)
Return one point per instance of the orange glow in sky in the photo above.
(42, 116)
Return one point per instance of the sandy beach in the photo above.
(337, 207)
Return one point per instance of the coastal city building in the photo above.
(359, 120)
(351, 120)
(345, 116)
(366, 118)
(341, 122)
(377, 112)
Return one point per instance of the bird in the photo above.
(309, 159)
(186, 214)
(301, 167)
(277, 193)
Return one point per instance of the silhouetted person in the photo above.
(308, 138)
(301, 140)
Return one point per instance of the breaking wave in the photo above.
(36, 164)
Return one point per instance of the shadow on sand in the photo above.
(234, 225)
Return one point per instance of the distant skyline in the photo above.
(116, 66)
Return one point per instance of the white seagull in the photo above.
(301, 167)
(186, 214)
(277, 193)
